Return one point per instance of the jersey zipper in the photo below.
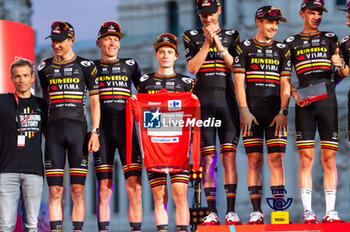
(264, 70)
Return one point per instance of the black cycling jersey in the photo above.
(66, 84)
(153, 83)
(114, 80)
(67, 131)
(264, 64)
(215, 90)
(214, 73)
(311, 56)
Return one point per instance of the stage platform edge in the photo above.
(331, 227)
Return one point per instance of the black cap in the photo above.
(313, 4)
(166, 39)
(269, 13)
(61, 31)
(110, 28)
(347, 8)
(207, 6)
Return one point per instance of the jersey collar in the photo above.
(262, 44)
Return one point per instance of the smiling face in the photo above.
(166, 57)
(312, 19)
(109, 47)
(62, 48)
(267, 29)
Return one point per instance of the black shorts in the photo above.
(113, 136)
(66, 137)
(156, 179)
(322, 114)
(264, 110)
(221, 105)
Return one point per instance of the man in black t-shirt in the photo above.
(22, 118)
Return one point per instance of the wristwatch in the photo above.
(284, 112)
(96, 131)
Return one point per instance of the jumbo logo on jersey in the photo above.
(152, 119)
(265, 64)
(174, 105)
(65, 83)
(115, 81)
(311, 53)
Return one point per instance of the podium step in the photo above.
(335, 227)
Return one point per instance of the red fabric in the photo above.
(164, 149)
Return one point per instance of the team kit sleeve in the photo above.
(240, 60)
(141, 87)
(135, 78)
(91, 78)
(190, 49)
(41, 73)
(288, 42)
(232, 48)
(44, 114)
(188, 83)
(286, 63)
(333, 42)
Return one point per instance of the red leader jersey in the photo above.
(165, 121)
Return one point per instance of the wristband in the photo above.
(224, 53)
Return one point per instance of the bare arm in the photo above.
(246, 117)
(94, 143)
(285, 92)
(343, 69)
(228, 58)
(280, 120)
(197, 61)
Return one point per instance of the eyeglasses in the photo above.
(273, 12)
(111, 23)
(61, 25)
(166, 35)
(320, 1)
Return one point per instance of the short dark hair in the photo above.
(22, 62)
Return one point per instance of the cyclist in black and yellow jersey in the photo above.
(209, 54)
(64, 79)
(315, 56)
